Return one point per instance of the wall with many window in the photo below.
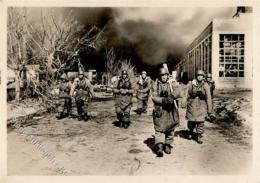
(198, 55)
(223, 49)
(231, 55)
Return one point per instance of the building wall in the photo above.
(242, 62)
(198, 54)
(204, 52)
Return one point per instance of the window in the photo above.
(231, 55)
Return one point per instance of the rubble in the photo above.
(233, 111)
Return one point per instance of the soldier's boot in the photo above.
(70, 114)
(65, 115)
(85, 116)
(68, 108)
(119, 118)
(126, 121)
(190, 134)
(80, 115)
(167, 148)
(126, 124)
(139, 111)
(159, 150)
(60, 115)
(199, 139)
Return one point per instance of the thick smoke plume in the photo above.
(151, 35)
(146, 36)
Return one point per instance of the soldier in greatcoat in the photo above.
(165, 113)
(199, 106)
(142, 92)
(123, 92)
(83, 90)
(65, 105)
(211, 83)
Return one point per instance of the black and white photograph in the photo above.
(129, 91)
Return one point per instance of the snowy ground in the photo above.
(98, 147)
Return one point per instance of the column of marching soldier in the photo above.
(165, 93)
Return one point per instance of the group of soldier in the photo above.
(167, 95)
(81, 89)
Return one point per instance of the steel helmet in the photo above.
(163, 71)
(200, 73)
(124, 72)
(209, 75)
(144, 72)
(63, 76)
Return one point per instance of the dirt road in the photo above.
(98, 147)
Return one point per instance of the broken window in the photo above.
(231, 55)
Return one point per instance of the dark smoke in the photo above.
(141, 41)
(146, 42)
(150, 42)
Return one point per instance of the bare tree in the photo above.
(52, 41)
(17, 42)
(56, 40)
(111, 65)
(114, 66)
(129, 67)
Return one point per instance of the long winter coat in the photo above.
(82, 88)
(123, 93)
(165, 117)
(64, 89)
(199, 103)
(143, 88)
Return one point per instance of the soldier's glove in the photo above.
(165, 101)
(212, 117)
(200, 95)
(171, 99)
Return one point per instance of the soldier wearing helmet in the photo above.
(64, 106)
(165, 112)
(211, 83)
(123, 93)
(83, 91)
(143, 90)
(199, 105)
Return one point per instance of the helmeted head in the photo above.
(124, 74)
(144, 74)
(200, 75)
(63, 77)
(209, 77)
(164, 75)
